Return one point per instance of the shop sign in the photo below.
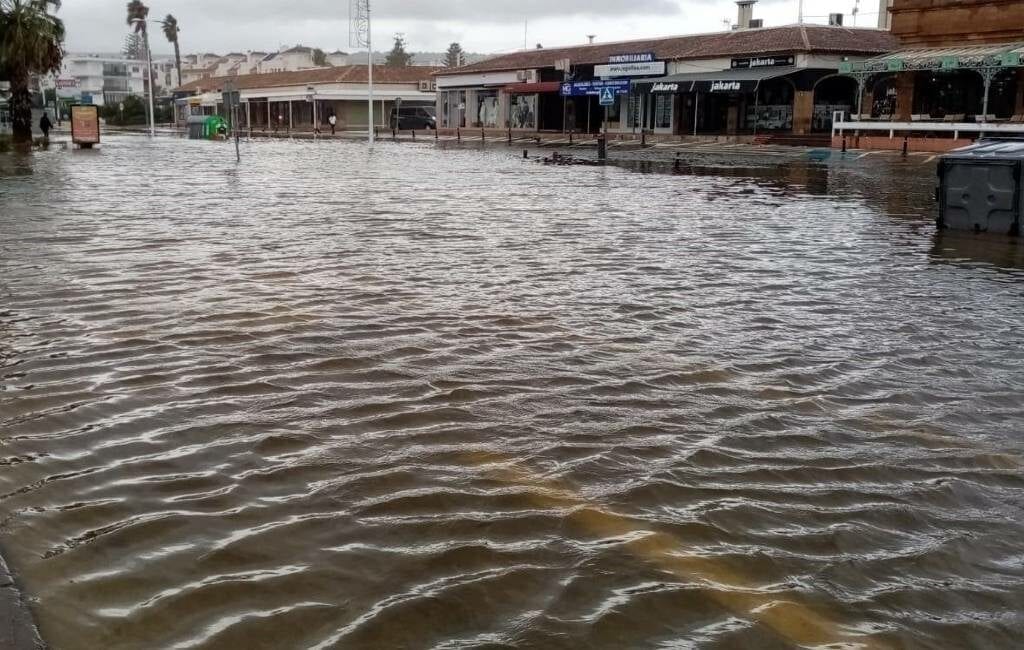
(763, 62)
(637, 57)
(950, 63)
(894, 65)
(725, 86)
(665, 88)
(583, 88)
(1010, 59)
(67, 83)
(650, 68)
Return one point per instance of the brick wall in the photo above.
(956, 22)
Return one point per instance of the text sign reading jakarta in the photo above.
(763, 62)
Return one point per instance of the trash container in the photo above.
(196, 127)
(980, 187)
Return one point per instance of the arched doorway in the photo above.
(773, 110)
(884, 97)
(831, 94)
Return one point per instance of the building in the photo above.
(956, 74)
(285, 101)
(339, 58)
(99, 79)
(744, 82)
(291, 59)
(103, 79)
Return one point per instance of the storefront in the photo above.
(966, 83)
(781, 80)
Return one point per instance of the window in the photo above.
(634, 111)
(663, 111)
(615, 110)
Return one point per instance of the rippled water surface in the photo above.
(452, 399)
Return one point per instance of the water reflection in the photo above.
(456, 399)
(969, 249)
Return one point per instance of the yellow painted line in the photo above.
(794, 622)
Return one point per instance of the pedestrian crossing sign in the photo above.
(607, 96)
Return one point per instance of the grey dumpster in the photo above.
(980, 187)
(197, 127)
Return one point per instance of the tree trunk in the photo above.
(21, 108)
(177, 61)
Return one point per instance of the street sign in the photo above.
(583, 88)
(607, 97)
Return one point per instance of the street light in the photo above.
(149, 71)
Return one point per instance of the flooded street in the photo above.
(454, 399)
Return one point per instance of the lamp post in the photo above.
(149, 73)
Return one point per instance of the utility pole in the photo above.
(800, 12)
(149, 74)
(360, 36)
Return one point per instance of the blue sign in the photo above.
(607, 97)
(639, 57)
(583, 88)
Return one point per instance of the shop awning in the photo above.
(942, 58)
(742, 80)
(536, 87)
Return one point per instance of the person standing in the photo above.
(45, 125)
(333, 121)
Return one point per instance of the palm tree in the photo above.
(171, 31)
(137, 14)
(31, 42)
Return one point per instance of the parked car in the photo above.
(413, 117)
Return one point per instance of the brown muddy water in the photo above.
(452, 399)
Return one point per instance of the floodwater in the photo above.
(454, 399)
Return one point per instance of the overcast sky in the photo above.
(429, 25)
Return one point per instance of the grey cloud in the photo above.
(434, 10)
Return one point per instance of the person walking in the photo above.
(333, 121)
(45, 125)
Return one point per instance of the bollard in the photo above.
(570, 136)
(510, 136)
(844, 144)
(394, 134)
(483, 136)
(602, 148)
(526, 154)
(414, 135)
(458, 135)
(437, 136)
(906, 145)
(643, 138)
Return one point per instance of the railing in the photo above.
(841, 126)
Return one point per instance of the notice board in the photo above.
(85, 125)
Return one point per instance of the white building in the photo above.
(99, 79)
(292, 59)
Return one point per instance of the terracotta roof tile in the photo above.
(339, 74)
(744, 42)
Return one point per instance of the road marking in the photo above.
(794, 622)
